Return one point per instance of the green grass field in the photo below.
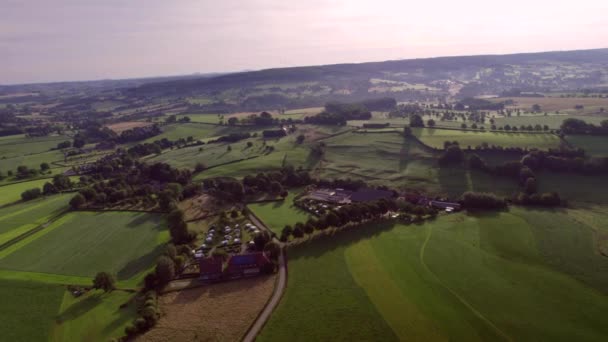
(278, 214)
(84, 243)
(553, 121)
(94, 316)
(385, 158)
(595, 146)
(18, 219)
(436, 137)
(14, 146)
(32, 161)
(518, 275)
(211, 154)
(28, 309)
(201, 118)
(12, 192)
(286, 152)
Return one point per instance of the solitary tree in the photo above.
(104, 281)
(77, 201)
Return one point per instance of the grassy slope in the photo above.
(28, 309)
(321, 296)
(553, 121)
(18, 219)
(126, 244)
(524, 275)
(286, 151)
(211, 155)
(436, 137)
(18, 146)
(95, 316)
(32, 161)
(386, 158)
(278, 214)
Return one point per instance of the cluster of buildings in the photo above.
(341, 196)
(238, 266)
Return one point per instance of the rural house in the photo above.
(246, 265)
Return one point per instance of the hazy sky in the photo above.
(54, 40)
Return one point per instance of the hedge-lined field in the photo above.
(18, 219)
(84, 243)
(518, 275)
(12, 192)
(436, 137)
(277, 215)
(94, 316)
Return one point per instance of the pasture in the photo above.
(123, 243)
(14, 146)
(94, 316)
(552, 120)
(210, 154)
(389, 158)
(21, 218)
(286, 152)
(28, 309)
(277, 215)
(594, 146)
(12, 192)
(436, 137)
(32, 161)
(561, 104)
(518, 275)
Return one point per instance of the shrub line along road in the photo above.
(279, 289)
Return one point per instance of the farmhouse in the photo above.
(210, 268)
(246, 265)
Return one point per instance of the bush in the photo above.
(31, 194)
(104, 281)
(480, 200)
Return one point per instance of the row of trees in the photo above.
(578, 126)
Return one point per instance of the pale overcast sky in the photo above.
(57, 40)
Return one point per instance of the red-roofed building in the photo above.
(246, 265)
(211, 268)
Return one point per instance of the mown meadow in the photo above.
(517, 275)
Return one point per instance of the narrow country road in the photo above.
(257, 326)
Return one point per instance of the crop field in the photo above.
(28, 309)
(388, 158)
(94, 316)
(13, 147)
(277, 215)
(123, 126)
(518, 275)
(436, 137)
(18, 219)
(123, 243)
(12, 192)
(595, 146)
(211, 154)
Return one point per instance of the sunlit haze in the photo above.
(81, 40)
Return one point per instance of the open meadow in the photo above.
(28, 310)
(21, 218)
(436, 137)
(562, 104)
(124, 243)
(389, 158)
(14, 146)
(94, 316)
(277, 215)
(554, 121)
(12, 192)
(210, 154)
(518, 275)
